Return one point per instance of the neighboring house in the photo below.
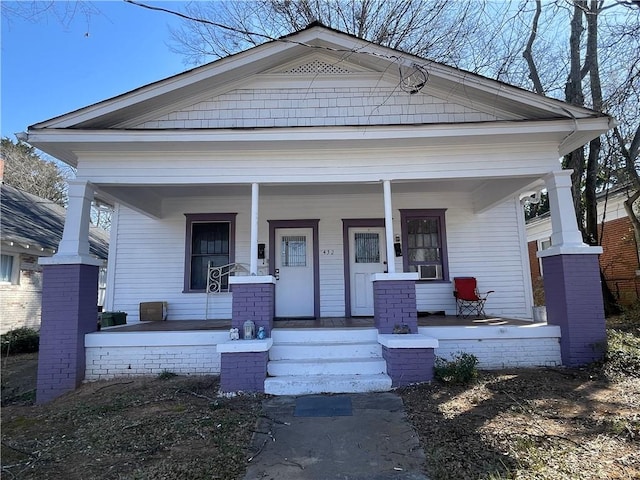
(30, 228)
(619, 260)
(349, 179)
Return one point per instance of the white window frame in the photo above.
(542, 244)
(15, 269)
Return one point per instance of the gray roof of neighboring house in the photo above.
(26, 219)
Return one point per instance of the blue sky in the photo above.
(49, 69)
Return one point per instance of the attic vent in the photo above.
(316, 67)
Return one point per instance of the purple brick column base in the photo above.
(409, 365)
(243, 371)
(574, 302)
(253, 301)
(69, 311)
(394, 303)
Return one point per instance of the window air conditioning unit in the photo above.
(430, 272)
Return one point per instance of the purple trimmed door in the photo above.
(367, 255)
(294, 273)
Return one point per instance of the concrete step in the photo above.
(334, 366)
(324, 335)
(313, 384)
(320, 351)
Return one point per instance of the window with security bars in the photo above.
(209, 243)
(294, 251)
(367, 247)
(424, 243)
(209, 237)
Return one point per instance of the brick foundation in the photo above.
(69, 311)
(243, 371)
(409, 365)
(253, 301)
(395, 304)
(574, 303)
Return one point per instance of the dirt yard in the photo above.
(521, 424)
(530, 424)
(167, 427)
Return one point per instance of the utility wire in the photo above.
(405, 83)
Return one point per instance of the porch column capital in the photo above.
(560, 178)
(74, 246)
(565, 232)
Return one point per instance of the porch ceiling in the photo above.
(484, 192)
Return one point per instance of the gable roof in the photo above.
(30, 221)
(344, 48)
(126, 122)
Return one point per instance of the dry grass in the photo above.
(172, 428)
(529, 424)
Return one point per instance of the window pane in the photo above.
(424, 255)
(6, 268)
(294, 251)
(423, 240)
(209, 243)
(367, 248)
(210, 238)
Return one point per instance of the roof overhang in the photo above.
(71, 144)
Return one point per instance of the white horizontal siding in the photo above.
(317, 163)
(149, 261)
(316, 106)
(479, 246)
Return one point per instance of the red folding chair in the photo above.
(468, 300)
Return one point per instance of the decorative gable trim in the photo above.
(317, 66)
(320, 64)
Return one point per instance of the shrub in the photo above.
(461, 369)
(20, 340)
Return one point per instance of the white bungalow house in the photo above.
(349, 180)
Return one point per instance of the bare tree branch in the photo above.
(528, 55)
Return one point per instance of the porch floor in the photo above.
(338, 322)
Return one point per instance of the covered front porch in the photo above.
(479, 242)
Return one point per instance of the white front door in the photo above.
(294, 272)
(367, 255)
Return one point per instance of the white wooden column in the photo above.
(74, 246)
(388, 226)
(255, 193)
(565, 232)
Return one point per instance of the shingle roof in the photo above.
(26, 219)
